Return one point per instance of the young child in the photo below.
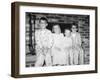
(67, 44)
(78, 51)
(44, 42)
(58, 55)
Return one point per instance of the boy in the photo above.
(44, 42)
(78, 51)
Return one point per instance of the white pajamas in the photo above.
(77, 48)
(44, 42)
(67, 46)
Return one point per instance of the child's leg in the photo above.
(76, 55)
(39, 56)
(48, 59)
(40, 60)
(81, 57)
(71, 57)
(67, 58)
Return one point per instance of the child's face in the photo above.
(56, 29)
(67, 33)
(43, 24)
(74, 29)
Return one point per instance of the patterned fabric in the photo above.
(44, 42)
(44, 38)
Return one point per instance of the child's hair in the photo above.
(55, 25)
(43, 18)
(74, 24)
(66, 29)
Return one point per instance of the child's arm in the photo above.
(37, 39)
(51, 40)
(79, 39)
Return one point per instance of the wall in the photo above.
(5, 40)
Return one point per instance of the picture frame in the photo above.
(77, 13)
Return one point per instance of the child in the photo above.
(67, 44)
(44, 42)
(78, 51)
(58, 55)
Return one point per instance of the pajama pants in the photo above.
(81, 56)
(69, 56)
(78, 56)
(41, 58)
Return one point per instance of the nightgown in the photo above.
(58, 54)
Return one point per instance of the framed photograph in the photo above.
(53, 39)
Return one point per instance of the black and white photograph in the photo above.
(51, 39)
(57, 39)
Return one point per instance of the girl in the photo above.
(78, 51)
(58, 55)
(67, 44)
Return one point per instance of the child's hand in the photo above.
(45, 50)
